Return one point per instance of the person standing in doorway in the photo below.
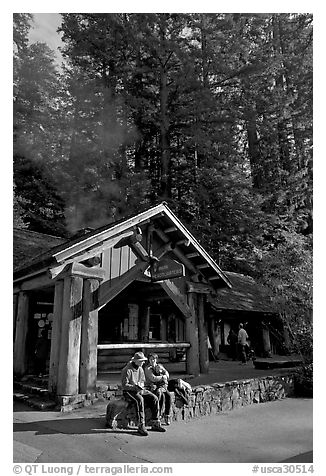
(133, 380)
(242, 343)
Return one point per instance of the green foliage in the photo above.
(303, 381)
(284, 265)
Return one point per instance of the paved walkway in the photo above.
(269, 432)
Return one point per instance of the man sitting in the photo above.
(133, 379)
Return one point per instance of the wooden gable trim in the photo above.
(94, 250)
(104, 235)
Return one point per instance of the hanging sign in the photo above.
(166, 269)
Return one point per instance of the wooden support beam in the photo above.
(195, 254)
(202, 266)
(134, 237)
(149, 235)
(139, 251)
(203, 335)
(161, 234)
(179, 254)
(93, 261)
(76, 269)
(56, 337)
(20, 360)
(197, 246)
(192, 337)
(177, 297)
(170, 229)
(107, 293)
(68, 371)
(201, 288)
(89, 337)
(143, 278)
(160, 252)
(185, 242)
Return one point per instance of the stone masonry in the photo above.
(205, 399)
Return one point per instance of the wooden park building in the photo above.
(140, 283)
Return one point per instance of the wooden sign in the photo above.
(166, 269)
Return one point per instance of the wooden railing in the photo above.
(144, 345)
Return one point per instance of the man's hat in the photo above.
(139, 356)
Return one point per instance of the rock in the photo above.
(113, 410)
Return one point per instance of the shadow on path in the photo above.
(72, 426)
(301, 458)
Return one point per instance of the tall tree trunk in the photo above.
(282, 125)
(164, 119)
(257, 171)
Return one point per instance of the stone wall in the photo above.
(207, 399)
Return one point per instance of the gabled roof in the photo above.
(245, 295)
(164, 221)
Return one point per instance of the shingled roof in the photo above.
(245, 295)
(28, 245)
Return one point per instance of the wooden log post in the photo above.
(89, 337)
(203, 335)
(266, 342)
(68, 371)
(192, 337)
(20, 357)
(15, 305)
(286, 337)
(144, 323)
(213, 331)
(56, 336)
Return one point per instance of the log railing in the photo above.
(144, 345)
